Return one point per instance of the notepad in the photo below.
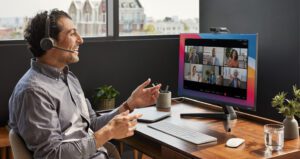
(150, 114)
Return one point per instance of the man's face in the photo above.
(235, 73)
(68, 39)
(213, 52)
(193, 51)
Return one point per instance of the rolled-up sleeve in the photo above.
(40, 128)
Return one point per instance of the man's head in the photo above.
(213, 51)
(61, 30)
(193, 50)
(235, 73)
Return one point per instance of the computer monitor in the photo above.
(219, 68)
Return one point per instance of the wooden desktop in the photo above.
(159, 145)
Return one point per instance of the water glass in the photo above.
(274, 136)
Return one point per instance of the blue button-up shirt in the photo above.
(49, 111)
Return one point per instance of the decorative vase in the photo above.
(291, 129)
(105, 104)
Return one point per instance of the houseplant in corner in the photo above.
(104, 97)
(289, 108)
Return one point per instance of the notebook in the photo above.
(150, 114)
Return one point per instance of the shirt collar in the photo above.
(48, 70)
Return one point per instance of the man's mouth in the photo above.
(76, 50)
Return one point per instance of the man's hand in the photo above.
(121, 126)
(142, 96)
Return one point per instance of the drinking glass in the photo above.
(274, 136)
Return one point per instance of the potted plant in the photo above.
(104, 97)
(289, 108)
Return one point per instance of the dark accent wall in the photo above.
(123, 64)
(126, 64)
(277, 23)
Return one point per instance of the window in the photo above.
(89, 16)
(158, 17)
(136, 17)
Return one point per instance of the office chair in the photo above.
(18, 146)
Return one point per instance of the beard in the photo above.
(74, 58)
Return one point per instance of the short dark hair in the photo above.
(36, 27)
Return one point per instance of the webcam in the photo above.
(219, 30)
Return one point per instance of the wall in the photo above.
(277, 23)
(126, 64)
(123, 64)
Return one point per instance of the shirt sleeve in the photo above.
(39, 126)
(97, 122)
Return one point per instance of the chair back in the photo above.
(18, 146)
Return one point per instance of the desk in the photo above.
(162, 146)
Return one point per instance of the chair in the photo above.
(21, 152)
(18, 146)
(112, 150)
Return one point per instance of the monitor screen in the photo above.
(218, 68)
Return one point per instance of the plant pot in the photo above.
(291, 130)
(105, 104)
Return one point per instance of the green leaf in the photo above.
(296, 92)
(287, 107)
(105, 92)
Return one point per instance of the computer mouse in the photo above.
(234, 142)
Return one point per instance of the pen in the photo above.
(166, 90)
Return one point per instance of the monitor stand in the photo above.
(227, 114)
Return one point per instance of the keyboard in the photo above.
(183, 133)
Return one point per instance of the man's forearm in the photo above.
(102, 136)
(79, 149)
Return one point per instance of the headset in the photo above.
(47, 42)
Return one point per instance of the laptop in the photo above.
(150, 114)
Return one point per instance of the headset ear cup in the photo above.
(47, 43)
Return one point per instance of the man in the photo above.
(48, 108)
(193, 56)
(235, 81)
(212, 77)
(213, 59)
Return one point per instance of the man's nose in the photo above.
(80, 39)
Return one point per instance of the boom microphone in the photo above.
(59, 48)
